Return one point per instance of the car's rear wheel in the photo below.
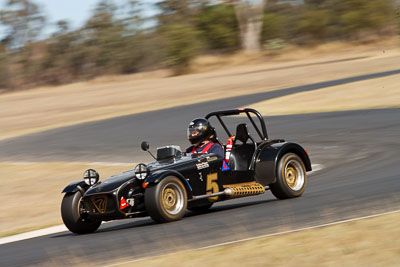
(167, 200)
(291, 177)
(71, 207)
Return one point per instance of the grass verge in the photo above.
(368, 242)
(31, 192)
(376, 93)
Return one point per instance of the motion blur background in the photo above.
(123, 37)
(83, 82)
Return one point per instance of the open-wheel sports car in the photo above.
(177, 181)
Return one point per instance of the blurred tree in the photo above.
(218, 27)
(63, 59)
(274, 25)
(177, 26)
(24, 21)
(140, 47)
(359, 15)
(314, 23)
(249, 15)
(181, 45)
(174, 11)
(117, 39)
(398, 19)
(176, 7)
(102, 36)
(3, 67)
(133, 22)
(315, 3)
(280, 20)
(344, 19)
(112, 41)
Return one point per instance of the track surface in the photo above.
(118, 139)
(359, 152)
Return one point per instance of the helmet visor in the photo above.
(192, 132)
(195, 134)
(198, 130)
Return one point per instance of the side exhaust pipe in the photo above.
(237, 192)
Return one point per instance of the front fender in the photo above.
(267, 160)
(157, 176)
(75, 187)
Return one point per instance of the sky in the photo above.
(76, 12)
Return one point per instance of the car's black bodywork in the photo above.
(253, 167)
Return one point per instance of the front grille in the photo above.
(99, 204)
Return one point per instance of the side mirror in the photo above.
(145, 146)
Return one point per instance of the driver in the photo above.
(203, 138)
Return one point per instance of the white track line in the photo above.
(302, 229)
(258, 237)
(316, 168)
(33, 234)
(71, 163)
(38, 233)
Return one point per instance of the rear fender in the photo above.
(156, 177)
(269, 156)
(75, 187)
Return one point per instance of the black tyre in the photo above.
(70, 213)
(167, 200)
(200, 208)
(291, 177)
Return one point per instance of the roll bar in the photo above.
(232, 112)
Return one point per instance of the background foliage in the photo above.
(116, 39)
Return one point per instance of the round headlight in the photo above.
(91, 177)
(141, 171)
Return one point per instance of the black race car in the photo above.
(178, 181)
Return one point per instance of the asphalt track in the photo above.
(358, 150)
(118, 139)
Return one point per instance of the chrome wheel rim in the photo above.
(294, 175)
(172, 198)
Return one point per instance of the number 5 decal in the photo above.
(212, 186)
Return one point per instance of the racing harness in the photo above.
(229, 144)
(205, 149)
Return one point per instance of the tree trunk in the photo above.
(249, 15)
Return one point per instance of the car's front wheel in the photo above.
(71, 207)
(167, 200)
(291, 177)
